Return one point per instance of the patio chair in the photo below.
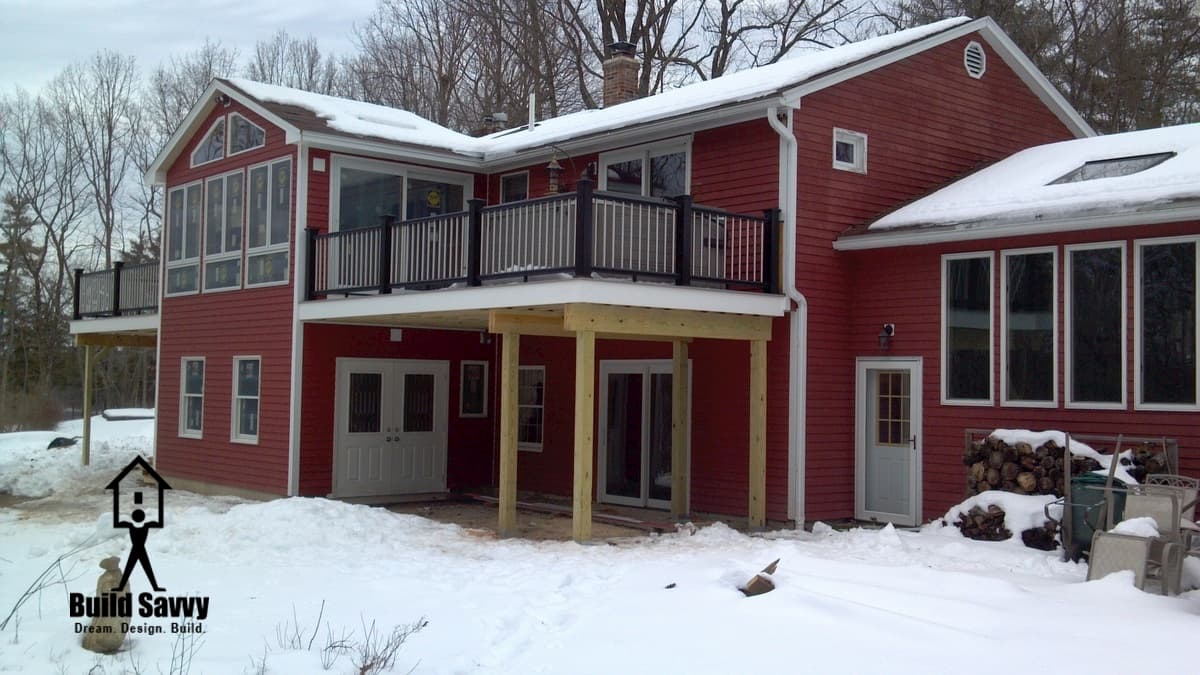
(1186, 487)
(1113, 552)
(1165, 562)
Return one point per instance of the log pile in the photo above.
(984, 524)
(1024, 469)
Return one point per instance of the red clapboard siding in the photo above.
(219, 326)
(903, 286)
(927, 123)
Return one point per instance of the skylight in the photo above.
(1113, 168)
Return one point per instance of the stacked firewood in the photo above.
(1024, 469)
(984, 524)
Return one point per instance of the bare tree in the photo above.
(294, 62)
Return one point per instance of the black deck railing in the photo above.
(579, 234)
(120, 291)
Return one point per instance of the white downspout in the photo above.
(798, 348)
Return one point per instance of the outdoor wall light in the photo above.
(886, 334)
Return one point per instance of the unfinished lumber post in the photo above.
(758, 434)
(88, 369)
(585, 382)
(509, 374)
(679, 429)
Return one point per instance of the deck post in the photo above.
(679, 429)
(310, 258)
(385, 255)
(683, 240)
(474, 240)
(585, 383)
(116, 287)
(509, 374)
(583, 227)
(770, 251)
(758, 434)
(88, 358)
(75, 300)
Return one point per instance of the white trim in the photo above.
(1138, 245)
(914, 364)
(975, 231)
(192, 158)
(857, 141)
(391, 152)
(1004, 256)
(128, 323)
(271, 247)
(500, 185)
(235, 397)
(182, 430)
(645, 153)
(295, 381)
(224, 255)
(944, 343)
(524, 446)
(462, 373)
(229, 151)
(183, 261)
(1069, 328)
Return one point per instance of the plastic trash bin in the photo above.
(1088, 507)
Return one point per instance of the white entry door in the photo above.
(887, 440)
(391, 435)
(635, 432)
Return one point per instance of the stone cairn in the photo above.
(106, 635)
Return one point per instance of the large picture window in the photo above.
(531, 400)
(246, 371)
(660, 170)
(1095, 343)
(1029, 354)
(363, 191)
(184, 210)
(1166, 278)
(191, 397)
(268, 223)
(967, 328)
(224, 200)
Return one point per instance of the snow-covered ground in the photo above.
(863, 601)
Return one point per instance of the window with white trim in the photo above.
(514, 187)
(268, 222)
(191, 397)
(244, 135)
(362, 191)
(1166, 323)
(967, 328)
(659, 170)
(849, 150)
(183, 239)
(531, 401)
(212, 146)
(246, 383)
(224, 200)
(1029, 335)
(1095, 325)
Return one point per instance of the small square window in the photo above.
(849, 151)
(514, 187)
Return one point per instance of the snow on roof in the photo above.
(390, 124)
(1021, 188)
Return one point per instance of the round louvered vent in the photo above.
(975, 60)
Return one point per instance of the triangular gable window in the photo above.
(244, 135)
(212, 147)
(1113, 168)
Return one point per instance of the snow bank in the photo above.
(1039, 438)
(1021, 512)
(28, 469)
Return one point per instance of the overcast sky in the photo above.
(38, 38)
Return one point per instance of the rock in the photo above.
(105, 635)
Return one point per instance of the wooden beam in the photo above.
(88, 357)
(509, 374)
(116, 340)
(551, 325)
(673, 323)
(679, 429)
(758, 434)
(585, 384)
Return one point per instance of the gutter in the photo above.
(798, 347)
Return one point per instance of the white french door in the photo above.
(887, 440)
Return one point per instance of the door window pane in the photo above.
(660, 436)
(668, 175)
(1168, 323)
(1029, 322)
(1097, 335)
(531, 389)
(430, 198)
(365, 197)
(623, 450)
(625, 177)
(418, 402)
(366, 402)
(968, 336)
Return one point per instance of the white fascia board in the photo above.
(392, 151)
(991, 230)
(994, 36)
(137, 323)
(542, 293)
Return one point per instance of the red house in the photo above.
(652, 304)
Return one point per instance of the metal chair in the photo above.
(1165, 562)
(1186, 487)
(1113, 552)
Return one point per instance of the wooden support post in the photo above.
(758, 434)
(585, 383)
(679, 429)
(509, 373)
(88, 356)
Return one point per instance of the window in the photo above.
(244, 135)
(1166, 324)
(849, 151)
(654, 171)
(1113, 168)
(191, 397)
(268, 222)
(1095, 343)
(1029, 356)
(183, 239)
(362, 191)
(514, 187)
(432, 197)
(531, 394)
(212, 146)
(246, 371)
(223, 232)
(472, 391)
(967, 328)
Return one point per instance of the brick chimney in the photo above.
(620, 74)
